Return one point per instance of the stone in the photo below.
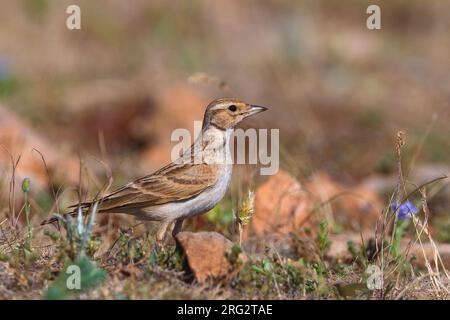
(17, 138)
(281, 206)
(209, 255)
(356, 207)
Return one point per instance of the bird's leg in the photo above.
(176, 229)
(161, 233)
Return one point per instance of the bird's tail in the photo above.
(85, 207)
(74, 213)
(49, 220)
(57, 217)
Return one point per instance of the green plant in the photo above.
(233, 255)
(221, 217)
(130, 248)
(399, 232)
(443, 230)
(265, 267)
(26, 190)
(245, 213)
(78, 233)
(8, 86)
(322, 239)
(89, 277)
(76, 245)
(3, 257)
(23, 252)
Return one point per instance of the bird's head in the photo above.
(227, 113)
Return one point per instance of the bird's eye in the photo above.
(232, 108)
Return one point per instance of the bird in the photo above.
(191, 185)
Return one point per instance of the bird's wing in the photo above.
(174, 182)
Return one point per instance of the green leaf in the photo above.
(90, 277)
(258, 270)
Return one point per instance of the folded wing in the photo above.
(175, 182)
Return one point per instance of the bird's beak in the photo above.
(256, 109)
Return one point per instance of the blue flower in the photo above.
(406, 210)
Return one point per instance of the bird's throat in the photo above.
(212, 146)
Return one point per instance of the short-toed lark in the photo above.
(189, 186)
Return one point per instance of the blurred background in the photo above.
(114, 90)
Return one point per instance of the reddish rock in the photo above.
(17, 138)
(322, 187)
(281, 206)
(356, 207)
(208, 255)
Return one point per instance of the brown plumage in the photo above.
(183, 188)
(174, 182)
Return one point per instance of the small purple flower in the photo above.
(406, 210)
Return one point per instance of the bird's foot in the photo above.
(159, 245)
(161, 233)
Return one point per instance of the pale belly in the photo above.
(195, 206)
(206, 200)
